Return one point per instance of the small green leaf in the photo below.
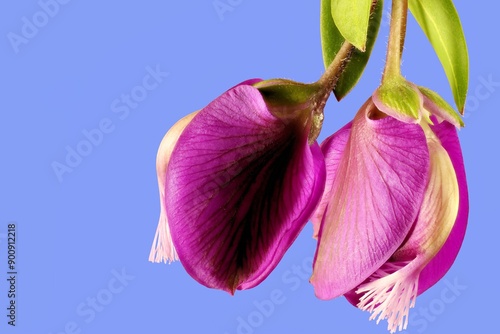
(400, 99)
(440, 22)
(440, 107)
(332, 40)
(355, 67)
(351, 18)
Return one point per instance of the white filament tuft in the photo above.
(390, 293)
(163, 249)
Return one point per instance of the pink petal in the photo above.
(391, 291)
(442, 262)
(332, 147)
(241, 185)
(377, 193)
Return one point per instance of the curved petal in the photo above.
(442, 262)
(241, 184)
(163, 249)
(332, 147)
(391, 291)
(377, 193)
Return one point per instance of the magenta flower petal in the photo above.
(163, 249)
(241, 184)
(392, 290)
(377, 194)
(442, 262)
(332, 147)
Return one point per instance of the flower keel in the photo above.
(163, 249)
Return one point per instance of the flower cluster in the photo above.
(386, 194)
(388, 199)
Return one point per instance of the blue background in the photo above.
(77, 233)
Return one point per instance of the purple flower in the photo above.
(236, 187)
(394, 212)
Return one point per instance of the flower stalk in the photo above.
(397, 35)
(329, 79)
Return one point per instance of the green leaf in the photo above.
(400, 99)
(355, 67)
(440, 22)
(332, 40)
(351, 18)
